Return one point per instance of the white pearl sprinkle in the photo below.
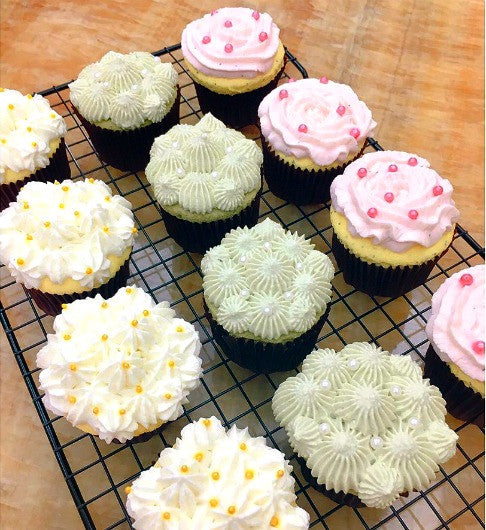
(204, 136)
(288, 295)
(97, 74)
(324, 428)
(106, 83)
(229, 149)
(267, 245)
(135, 88)
(325, 384)
(395, 390)
(353, 364)
(144, 71)
(180, 171)
(376, 442)
(267, 310)
(244, 293)
(215, 174)
(414, 422)
(175, 145)
(243, 259)
(299, 266)
(156, 59)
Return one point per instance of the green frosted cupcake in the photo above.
(207, 180)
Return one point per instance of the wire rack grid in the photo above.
(97, 473)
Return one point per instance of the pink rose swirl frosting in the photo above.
(317, 119)
(396, 199)
(231, 42)
(456, 324)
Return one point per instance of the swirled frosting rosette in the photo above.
(119, 367)
(213, 479)
(365, 422)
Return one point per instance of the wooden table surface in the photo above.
(418, 66)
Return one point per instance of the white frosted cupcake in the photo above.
(32, 143)
(119, 368)
(124, 102)
(267, 294)
(207, 180)
(215, 479)
(365, 425)
(67, 240)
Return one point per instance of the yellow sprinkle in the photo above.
(232, 510)
(29, 237)
(125, 365)
(134, 323)
(61, 205)
(134, 230)
(29, 96)
(106, 229)
(57, 183)
(146, 313)
(64, 306)
(29, 129)
(104, 337)
(280, 473)
(96, 410)
(47, 224)
(53, 115)
(243, 446)
(66, 337)
(10, 106)
(199, 456)
(274, 521)
(122, 412)
(166, 516)
(65, 188)
(91, 180)
(128, 290)
(249, 474)
(3, 141)
(104, 305)
(138, 389)
(2, 89)
(214, 502)
(73, 367)
(171, 364)
(128, 490)
(72, 400)
(76, 213)
(88, 270)
(34, 144)
(184, 469)
(168, 396)
(207, 422)
(107, 198)
(215, 475)
(179, 329)
(20, 261)
(25, 205)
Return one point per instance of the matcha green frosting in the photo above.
(366, 422)
(204, 167)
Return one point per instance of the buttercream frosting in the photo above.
(127, 89)
(266, 281)
(119, 365)
(456, 323)
(364, 423)
(216, 479)
(66, 230)
(396, 199)
(231, 42)
(28, 125)
(300, 119)
(204, 167)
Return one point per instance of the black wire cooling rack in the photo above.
(97, 473)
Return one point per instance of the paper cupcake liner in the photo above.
(144, 437)
(296, 185)
(266, 357)
(129, 150)
(376, 280)
(199, 237)
(462, 402)
(51, 304)
(57, 169)
(235, 110)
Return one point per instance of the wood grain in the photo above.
(418, 65)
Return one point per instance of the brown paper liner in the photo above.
(144, 437)
(462, 402)
(376, 280)
(51, 304)
(199, 237)
(296, 185)
(266, 357)
(57, 169)
(235, 110)
(129, 150)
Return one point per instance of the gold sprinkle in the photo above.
(215, 475)
(66, 337)
(73, 367)
(274, 521)
(65, 188)
(134, 230)
(29, 96)
(64, 306)
(104, 337)
(53, 115)
(96, 410)
(128, 290)
(168, 396)
(29, 237)
(179, 329)
(47, 224)
(125, 365)
(138, 389)
(134, 323)
(198, 456)
(20, 261)
(146, 313)
(25, 205)
(57, 183)
(171, 364)
(91, 180)
(2, 89)
(29, 129)
(106, 229)
(88, 270)
(107, 198)
(34, 144)
(207, 422)
(76, 213)
(61, 205)
(72, 400)
(214, 502)
(184, 469)
(280, 473)
(104, 305)
(128, 490)
(249, 474)
(10, 106)
(231, 510)
(243, 446)
(166, 516)
(122, 412)
(3, 141)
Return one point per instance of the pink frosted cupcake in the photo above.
(235, 58)
(393, 218)
(455, 358)
(312, 128)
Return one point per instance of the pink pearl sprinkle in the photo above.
(341, 110)
(324, 80)
(478, 347)
(437, 190)
(283, 94)
(466, 279)
(303, 128)
(413, 214)
(228, 48)
(372, 212)
(206, 39)
(291, 80)
(263, 36)
(228, 24)
(392, 168)
(362, 172)
(412, 161)
(255, 15)
(355, 132)
(389, 196)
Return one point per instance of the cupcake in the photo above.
(31, 143)
(311, 130)
(366, 427)
(235, 57)
(207, 180)
(393, 218)
(119, 368)
(455, 359)
(266, 294)
(68, 240)
(124, 102)
(215, 479)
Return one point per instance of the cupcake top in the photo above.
(456, 324)
(114, 367)
(266, 281)
(204, 167)
(231, 42)
(28, 125)
(215, 479)
(128, 90)
(316, 119)
(67, 230)
(366, 422)
(396, 199)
